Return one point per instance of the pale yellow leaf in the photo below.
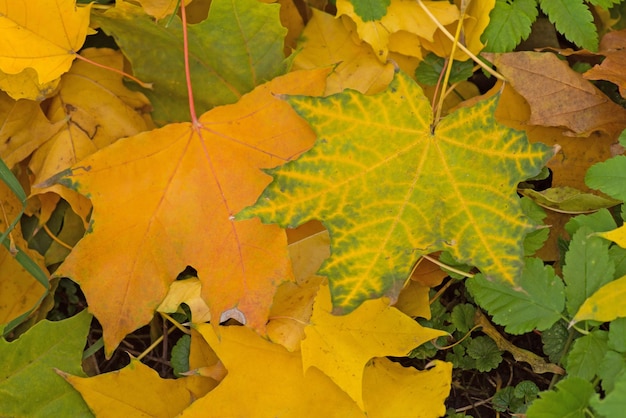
(606, 304)
(390, 390)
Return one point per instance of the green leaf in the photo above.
(601, 221)
(609, 177)
(617, 255)
(389, 190)
(534, 240)
(605, 4)
(569, 200)
(554, 340)
(485, 352)
(586, 354)
(238, 47)
(587, 267)
(509, 23)
(614, 404)
(574, 20)
(462, 317)
(29, 386)
(430, 69)
(503, 399)
(459, 358)
(180, 355)
(537, 306)
(617, 335)
(526, 390)
(611, 367)
(569, 400)
(370, 10)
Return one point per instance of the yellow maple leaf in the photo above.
(341, 346)
(166, 199)
(40, 34)
(264, 379)
(136, 390)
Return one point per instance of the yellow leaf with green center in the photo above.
(389, 190)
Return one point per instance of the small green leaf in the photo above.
(503, 399)
(462, 317)
(570, 399)
(535, 239)
(526, 390)
(611, 367)
(586, 354)
(601, 221)
(605, 4)
(180, 355)
(613, 404)
(509, 24)
(617, 335)
(29, 385)
(574, 20)
(370, 10)
(459, 358)
(617, 255)
(429, 71)
(485, 352)
(537, 306)
(609, 177)
(587, 267)
(554, 340)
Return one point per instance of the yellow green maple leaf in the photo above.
(389, 187)
(341, 346)
(43, 35)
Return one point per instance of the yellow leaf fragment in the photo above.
(402, 15)
(606, 304)
(617, 235)
(341, 346)
(19, 291)
(25, 85)
(23, 128)
(390, 390)
(326, 41)
(134, 391)
(41, 34)
(187, 291)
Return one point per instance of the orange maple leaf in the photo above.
(166, 199)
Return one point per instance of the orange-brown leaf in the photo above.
(559, 96)
(166, 199)
(612, 68)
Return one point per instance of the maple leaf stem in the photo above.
(192, 106)
(115, 70)
(461, 46)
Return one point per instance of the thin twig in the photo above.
(461, 46)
